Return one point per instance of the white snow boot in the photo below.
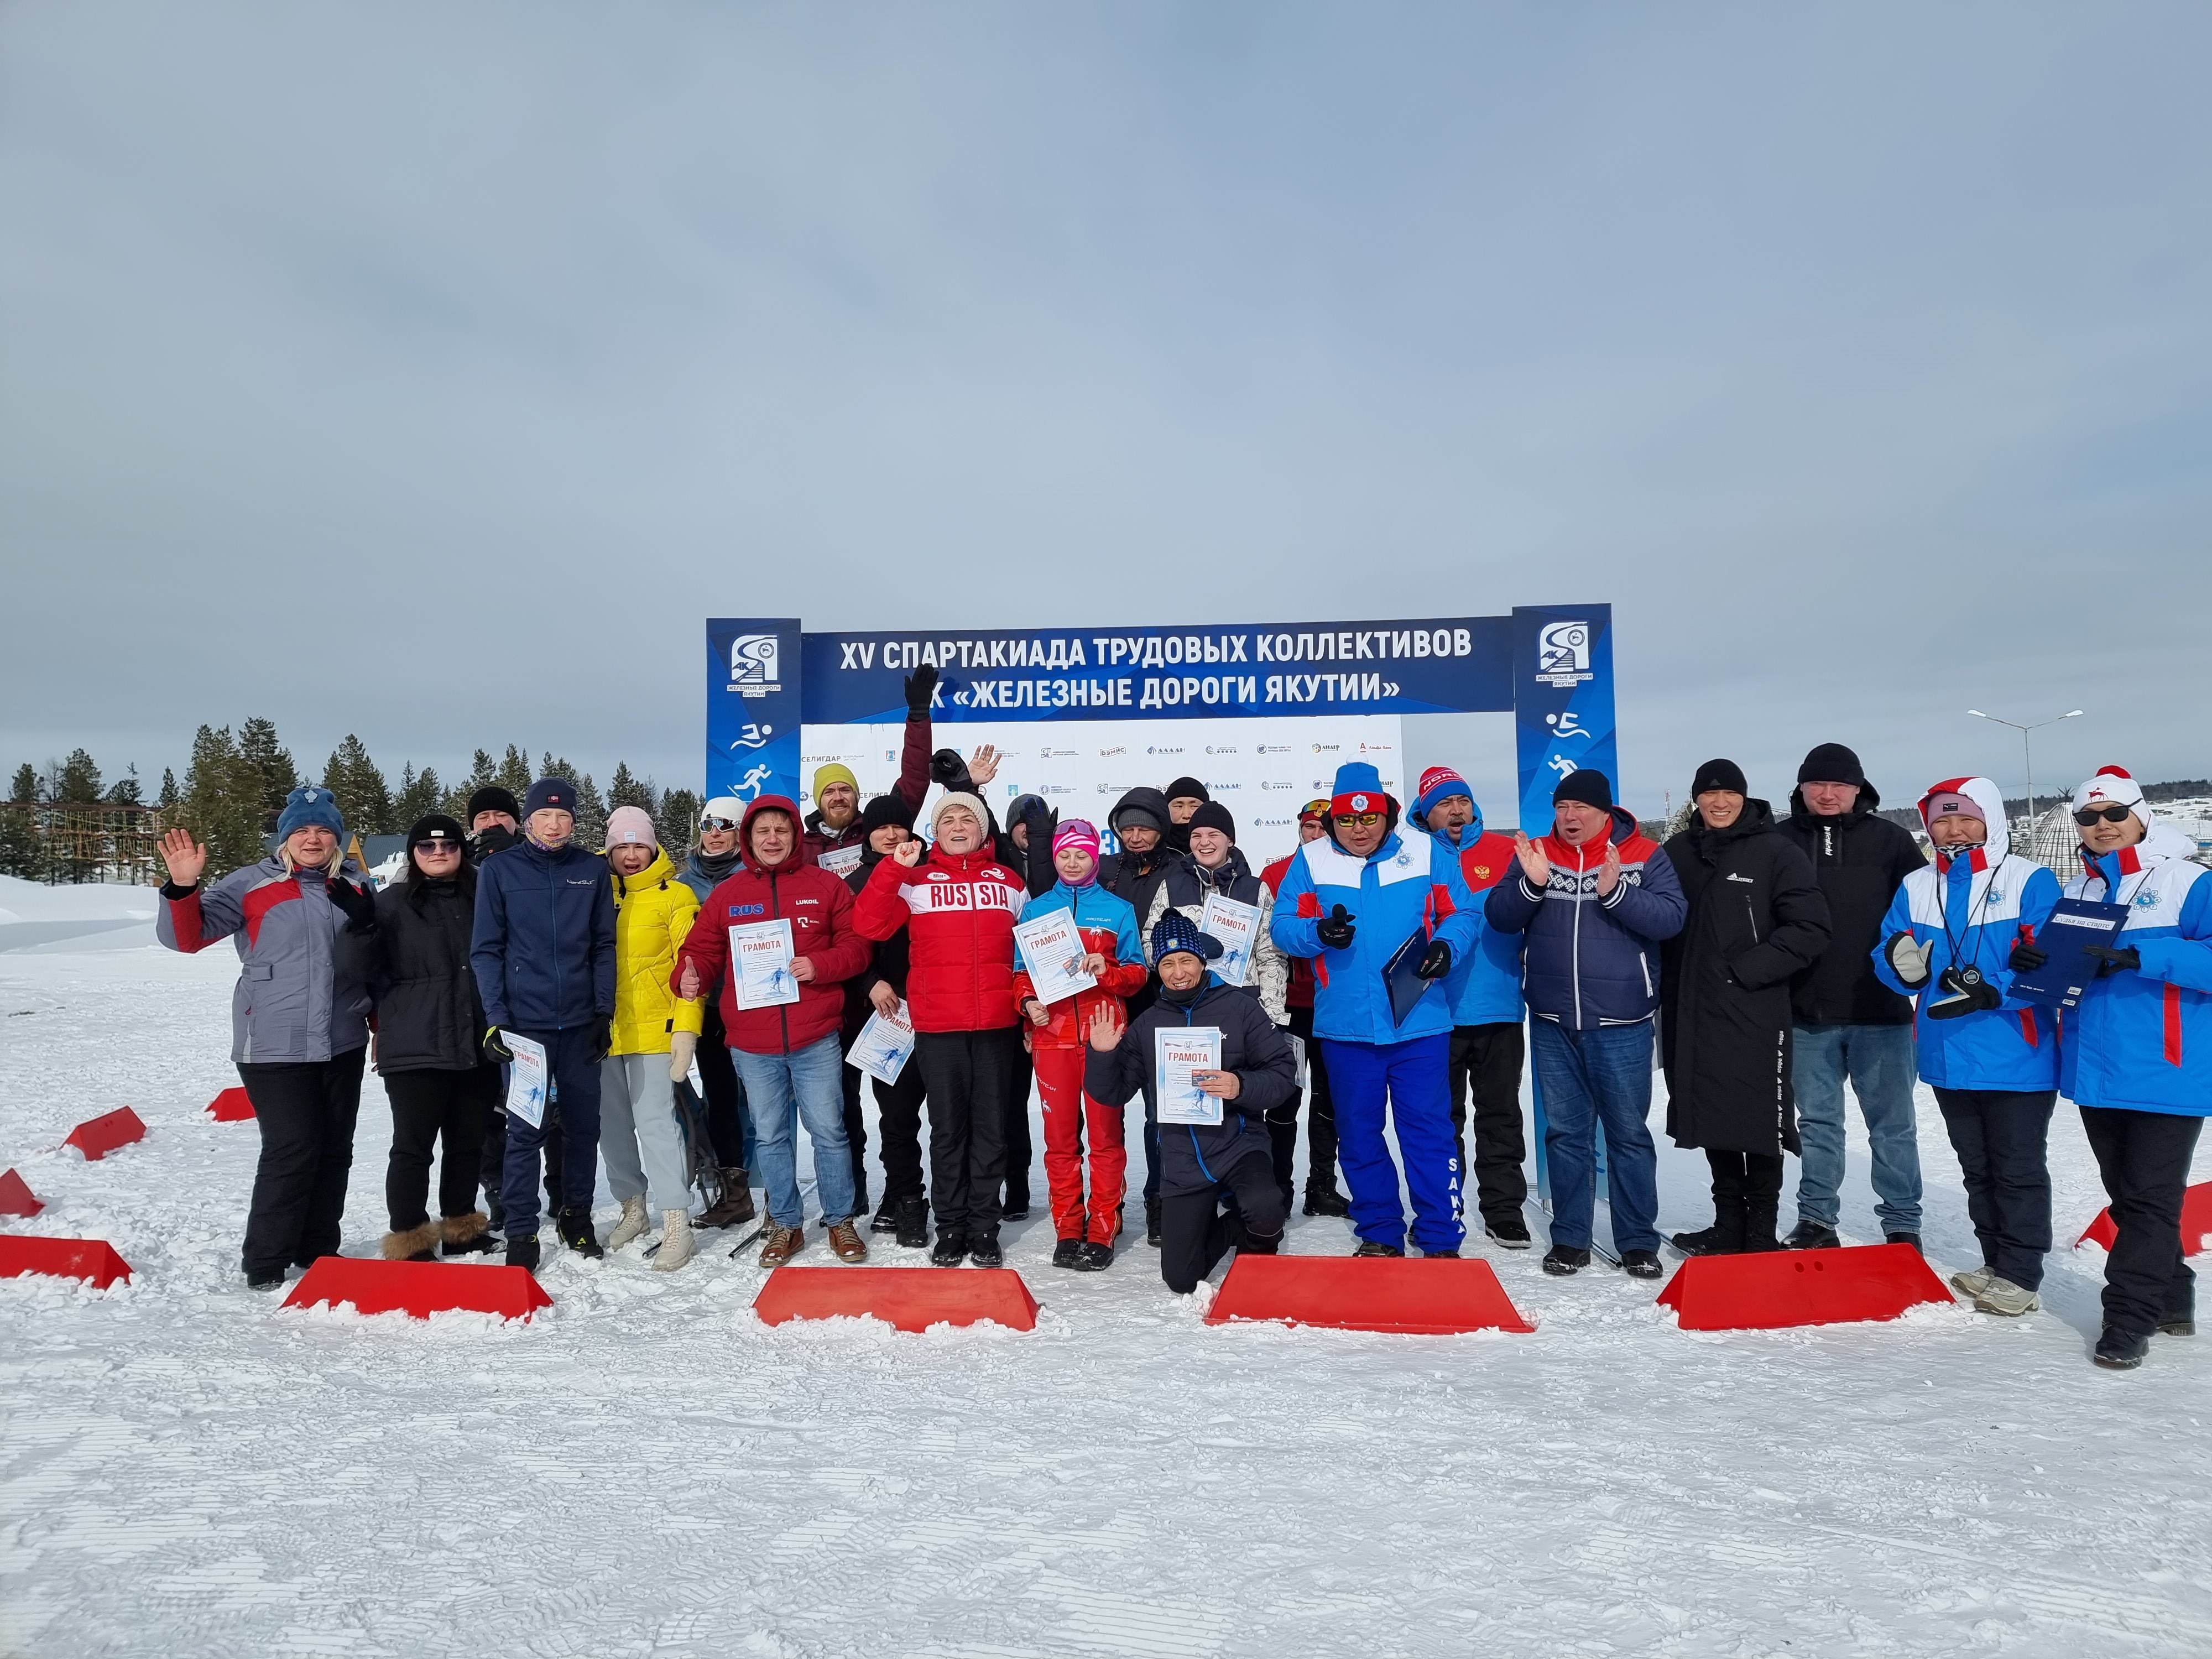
(631, 1224)
(676, 1245)
(2002, 1296)
(1972, 1282)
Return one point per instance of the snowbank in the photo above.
(33, 915)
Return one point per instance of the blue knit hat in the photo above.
(549, 791)
(310, 803)
(1177, 931)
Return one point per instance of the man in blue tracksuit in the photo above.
(1352, 900)
(543, 951)
(1594, 899)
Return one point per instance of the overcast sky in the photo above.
(430, 372)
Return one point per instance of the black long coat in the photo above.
(1757, 917)
(429, 1015)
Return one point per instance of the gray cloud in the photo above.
(430, 372)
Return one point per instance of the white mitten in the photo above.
(1909, 957)
(681, 1047)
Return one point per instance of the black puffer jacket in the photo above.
(1860, 860)
(429, 1016)
(1756, 916)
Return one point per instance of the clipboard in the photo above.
(2074, 925)
(1402, 977)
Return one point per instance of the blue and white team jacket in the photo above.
(2142, 1039)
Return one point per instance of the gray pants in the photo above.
(637, 1113)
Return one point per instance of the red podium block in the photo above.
(93, 1259)
(2196, 1221)
(97, 1137)
(17, 1197)
(1776, 1288)
(231, 1106)
(1409, 1296)
(910, 1299)
(420, 1288)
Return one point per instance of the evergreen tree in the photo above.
(126, 791)
(514, 773)
(678, 820)
(626, 788)
(221, 803)
(419, 796)
(169, 796)
(591, 815)
(25, 787)
(364, 798)
(268, 766)
(76, 779)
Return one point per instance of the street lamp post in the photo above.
(2026, 754)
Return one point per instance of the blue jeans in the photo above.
(1604, 1072)
(808, 1085)
(1879, 1061)
(1412, 1077)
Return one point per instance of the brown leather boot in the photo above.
(845, 1239)
(782, 1245)
(735, 1207)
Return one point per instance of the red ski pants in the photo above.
(1060, 1081)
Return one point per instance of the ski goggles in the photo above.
(718, 823)
(2090, 815)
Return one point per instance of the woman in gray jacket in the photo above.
(299, 1015)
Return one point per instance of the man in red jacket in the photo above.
(789, 925)
(1322, 1197)
(958, 903)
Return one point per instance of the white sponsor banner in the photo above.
(1262, 769)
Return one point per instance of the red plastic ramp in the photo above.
(1778, 1288)
(93, 1259)
(420, 1288)
(2196, 1221)
(17, 1197)
(232, 1105)
(97, 1137)
(1411, 1295)
(911, 1298)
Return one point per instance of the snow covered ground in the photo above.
(647, 1470)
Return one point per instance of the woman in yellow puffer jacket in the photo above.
(637, 1105)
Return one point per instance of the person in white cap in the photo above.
(729, 1119)
(2138, 1054)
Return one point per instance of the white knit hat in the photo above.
(2112, 786)
(953, 798)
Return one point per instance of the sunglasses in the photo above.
(718, 823)
(2090, 815)
(439, 846)
(1359, 820)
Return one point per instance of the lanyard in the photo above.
(1962, 964)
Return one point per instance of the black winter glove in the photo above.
(359, 904)
(1436, 962)
(1336, 932)
(2027, 955)
(603, 1038)
(2111, 961)
(495, 1047)
(921, 689)
(946, 767)
(1962, 996)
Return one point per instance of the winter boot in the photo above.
(1913, 1239)
(2002, 1297)
(885, 1220)
(577, 1233)
(1759, 1211)
(1564, 1259)
(265, 1281)
(1376, 1246)
(1451, 1254)
(1152, 1222)
(1068, 1253)
(1095, 1257)
(413, 1244)
(781, 1244)
(1812, 1235)
(1324, 1199)
(952, 1250)
(523, 1253)
(912, 1231)
(1724, 1238)
(677, 1246)
(846, 1243)
(1508, 1232)
(735, 1207)
(1641, 1264)
(1973, 1283)
(468, 1235)
(631, 1224)
(2118, 1351)
(983, 1250)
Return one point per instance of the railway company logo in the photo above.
(753, 671)
(1563, 654)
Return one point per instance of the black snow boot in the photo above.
(1508, 1232)
(2118, 1351)
(1724, 1238)
(523, 1253)
(1376, 1246)
(1759, 1212)
(579, 1235)
(983, 1250)
(1913, 1239)
(912, 1224)
(1564, 1259)
(1152, 1222)
(1812, 1235)
(1324, 1199)
(1068, 1253)
(1641, 1264)
(1096, 1257)
(885, 1220)
(952, 1250)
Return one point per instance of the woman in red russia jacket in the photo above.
(787, 1054)
(958, 903)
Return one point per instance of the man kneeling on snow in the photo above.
(1200, 1161)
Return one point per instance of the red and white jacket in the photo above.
(958, 909)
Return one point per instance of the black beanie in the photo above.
(436, 826)
(1719, 775)
(1184, 788)
(884, 809)
(493, 798)
(1214, 816)
(1831, 762)
(1587, 785)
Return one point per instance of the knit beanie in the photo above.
(2112, 786)
(959, 798)
(1438, 784)
(1177, 931)
(1078, 833)
(1187, 789)
(1214, 816)
(556, 792)
(1831, 762)
(1585, 784)
(493, 798)
(310, 803)
(835, 772)
(886, 809)
(1719, 775)
(632, 825)
(436, 827)
(1946, 800)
